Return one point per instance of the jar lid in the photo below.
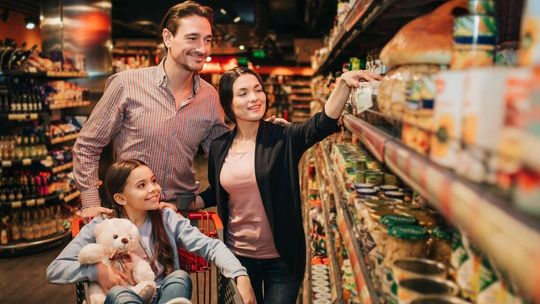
(366, 191)
(408, 232)
(394, 194)
(389, 188)
(363, 185)
(398, 219)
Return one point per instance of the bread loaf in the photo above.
(426, 39)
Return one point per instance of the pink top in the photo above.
(249, 234)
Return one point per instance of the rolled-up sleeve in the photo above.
(104, 123)
(214, 250)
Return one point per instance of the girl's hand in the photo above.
(245, 290)
(352, 78)
(107, 277)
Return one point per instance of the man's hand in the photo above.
(89, 213)
(246, 291)
(163, 205)
(278, 121)
(107, 278)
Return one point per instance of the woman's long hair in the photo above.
(115, 181)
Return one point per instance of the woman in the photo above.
(132, 190)
(253, 176)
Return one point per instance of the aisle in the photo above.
(22, 279)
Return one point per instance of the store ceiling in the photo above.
(268, 24)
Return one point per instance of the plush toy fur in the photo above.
(118, 238)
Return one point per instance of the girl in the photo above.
(253, 175)
(132, 190)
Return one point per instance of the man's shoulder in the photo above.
(134, 74)
(207, 86)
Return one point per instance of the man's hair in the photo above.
(182, 10)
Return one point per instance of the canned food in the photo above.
(482, 7)
(322, 283)
(374, 177)
(395, 194)
(470, 55)
(389, 187)
(319, 276)
(366, 192)
(416, 288)
(319, 266)
(323, 295)
(439, 300)
(322, 301)
(364, 186)
(413, 268)
(475, 29)
(529, 51)
(390, 179)
(320, 289)
(319, 271)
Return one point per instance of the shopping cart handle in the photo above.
(76, 224)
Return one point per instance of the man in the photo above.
(159, 115)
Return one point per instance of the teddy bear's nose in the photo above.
(125, 240)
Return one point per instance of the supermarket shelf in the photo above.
(67, 74)
(20, 116)
(364, 285)
(298, 83)
(510, 238)
(68, 198)
(366, 27)
(63, 167)
(63, 139)
(300, 98)
(78, 104)
(15, 73)
(301, 106)
(335, 271)
(38, 201)
(306, 287)
(33, 246)
(22, 162)
(301, 91)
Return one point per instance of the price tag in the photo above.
(6, 163)
(26, 161)
(17, 204)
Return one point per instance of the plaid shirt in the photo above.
(137, 112)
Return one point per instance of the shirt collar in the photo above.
(161, 77)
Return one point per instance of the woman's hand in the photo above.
(352, 78)
(245, 290)
(107, 277)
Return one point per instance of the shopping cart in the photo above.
(210, 224)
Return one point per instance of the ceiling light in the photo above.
(242, 47)
(30, 24)
(237, 19)
(223, 11)
(208, 59)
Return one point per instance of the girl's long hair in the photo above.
(115, 181)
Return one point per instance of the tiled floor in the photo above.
(23, 281)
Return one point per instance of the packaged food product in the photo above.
(441, 245)
(445, 141)
(439, 300)
(413, 268)
(391, 220)
(483, 119)
(475, 38)
(416, 288)
(394, 194)
(374, 177)
(405, 241)
(390, 179)
(529, 53)
(482, 7)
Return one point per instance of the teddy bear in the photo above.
(116, 240)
